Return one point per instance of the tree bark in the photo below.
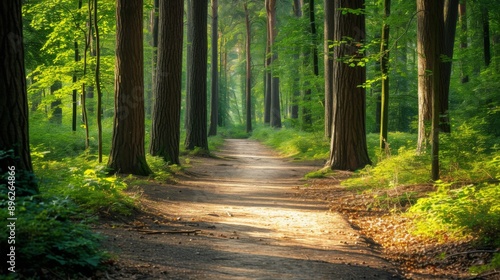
(450, 26)
(189, 46)
(13, 98)
(384, 68)
(196, 131)
(98, 85)
(486, 36)
(154, 16)
(214, 112)
(275, 109)
(127, 147)
(328, 65)
(348, 149)
(248, 75)
(462, 9)
(165, 132)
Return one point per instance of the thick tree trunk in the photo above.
(348, 149)
(384, 68)
(127, 149)
(165, 132)
(248, 75)
(13, 98)
(196, 131)
(214, 112)
(328, 65)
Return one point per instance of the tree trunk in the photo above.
(13, 98)
(248, 75)
(154, 55)
(127, 147)
(436, 41)
(275, 112)
(165, 132)
(424, 52)
(348, 149)
(297, 9)
(268, 74)
(214, 112)
(189, 46)
(328, 65)
(450, 26)
(462, 9)
(196, 131)
(98, 85)
(384, 68)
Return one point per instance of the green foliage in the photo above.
(472, 210)
(293, 143)
(404, 168)
(48, 236)
(493, 265)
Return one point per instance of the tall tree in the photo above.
(275, 108)
(348, 149)
(384, 68)
(127, 147)
(98, 84)
(214, 112)
(196, 130)
(248, 71)
(13, 98)
(486, 35)
(154, 17)
(165, 132)
(328, 64)
(462, 10)
(450, 18)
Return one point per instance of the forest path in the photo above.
(249, 223)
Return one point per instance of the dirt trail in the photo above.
(249, 224)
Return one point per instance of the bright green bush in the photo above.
(471, 210)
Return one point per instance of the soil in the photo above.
(244, 214)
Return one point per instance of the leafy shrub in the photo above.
(405, 168)
(49, 238)
(457, 213)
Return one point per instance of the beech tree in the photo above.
(127, 147)
(348, 149)
(196, 130)
(165, 132)
(13, 95)
(273, 81)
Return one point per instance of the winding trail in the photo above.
(250, 224)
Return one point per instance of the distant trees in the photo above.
(127, 150)
(13, 96)
(165, 131)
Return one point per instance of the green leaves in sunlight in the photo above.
(472, 210)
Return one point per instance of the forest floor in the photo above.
(247, 213)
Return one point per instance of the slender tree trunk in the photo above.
(98, 85)
(127, 147)
(154, 56)
(13, 98)
(196, 131)
(436, 41)
(75, 79)
(268, 74)
(328, 65)
(189, 46)
(462, 8)
(214, 112)
(275, 112)
(424, 52)
(165, 132)
(248, 68)
(348, 150)
(296, 95)
(384, 67)
(450, 26)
